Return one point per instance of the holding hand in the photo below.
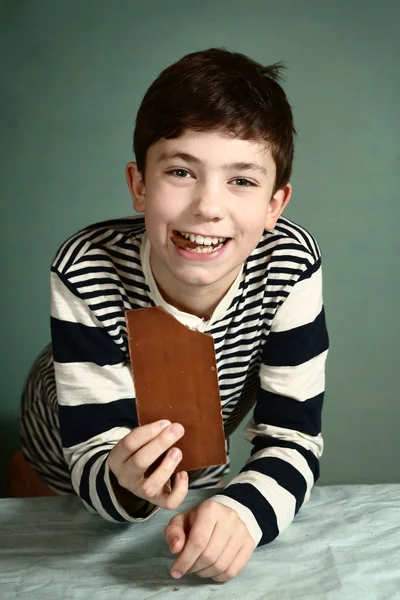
(136, 454)
(213, 539)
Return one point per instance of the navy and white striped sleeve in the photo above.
(285, 429)
(95, 394)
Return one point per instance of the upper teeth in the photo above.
(199, 239)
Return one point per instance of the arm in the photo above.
(286, 426)
(96, 401)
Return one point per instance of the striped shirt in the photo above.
(271, 345)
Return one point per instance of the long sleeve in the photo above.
(285, 429)
(96, 397)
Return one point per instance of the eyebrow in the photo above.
(238, 166)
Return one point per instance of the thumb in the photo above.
(175, 533)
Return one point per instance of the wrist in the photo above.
(136, 507)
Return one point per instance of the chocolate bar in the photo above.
(175, 377)
(182, 242)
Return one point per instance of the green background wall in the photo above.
(73, 75)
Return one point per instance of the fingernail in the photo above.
(165, 423)
(175, 453)
(176, 574)
(177, 429)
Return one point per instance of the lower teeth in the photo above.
(205, 249)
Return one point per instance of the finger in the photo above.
(238, 563)
(147, 455)
(215, 564)
(157, 488)
(175, 533)
(138, 437)
(197, 540)
(175, 497)
(221, 543)
(178, 543)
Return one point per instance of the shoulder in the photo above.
(104, 236)
(286, 229)
(283, 257)
(287, 246)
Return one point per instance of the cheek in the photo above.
(158, 207)
(161, 214)
(252, 220)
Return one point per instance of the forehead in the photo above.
(213, 149)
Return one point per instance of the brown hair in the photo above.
(216, 89)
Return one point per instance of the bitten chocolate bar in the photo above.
(175, 377)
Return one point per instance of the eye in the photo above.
(174, 171)
(247, 182)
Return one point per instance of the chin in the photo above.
(202, 278)
(199, 281)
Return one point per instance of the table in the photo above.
(344, 544)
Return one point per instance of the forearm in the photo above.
(99, 489)
(273, 485)
(96, 404)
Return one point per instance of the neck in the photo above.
(201, 304)
(200, 301)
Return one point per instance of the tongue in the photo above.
(182, 242)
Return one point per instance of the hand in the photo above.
(215, 541)
(136, 453)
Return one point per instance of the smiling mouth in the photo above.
(198, 243)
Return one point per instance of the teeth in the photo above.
(203, 241)
(205, 249)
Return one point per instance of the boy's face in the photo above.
(205, 193)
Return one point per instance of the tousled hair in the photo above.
(218, 90)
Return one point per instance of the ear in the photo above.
(136, 186)
(277, 204)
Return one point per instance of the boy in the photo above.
(214, 149)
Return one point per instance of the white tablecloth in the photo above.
(344, 544)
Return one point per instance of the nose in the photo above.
(208, 204)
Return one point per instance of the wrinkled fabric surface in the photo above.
(344, 544)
